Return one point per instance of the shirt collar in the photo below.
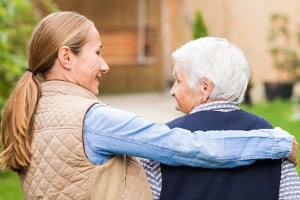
(223, 106)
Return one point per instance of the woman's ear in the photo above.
(64, 57)
(207, 88)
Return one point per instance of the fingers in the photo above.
(295, 147)
(293, 156)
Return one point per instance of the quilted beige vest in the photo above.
(59, 167)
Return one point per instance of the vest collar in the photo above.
(55, 87)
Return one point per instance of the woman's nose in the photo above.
(172, 92)
(104, 67)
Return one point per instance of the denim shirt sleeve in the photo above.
(109, 131)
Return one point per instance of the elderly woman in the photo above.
(66, 144)
(211, 76)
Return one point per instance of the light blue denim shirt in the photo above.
(108, 131)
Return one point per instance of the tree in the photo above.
(199, 28)
(17, 20)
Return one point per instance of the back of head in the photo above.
(55, 30)
(218, 60)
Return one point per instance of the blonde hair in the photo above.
(55, 30)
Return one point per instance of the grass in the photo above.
(277, 112)
(10, 187)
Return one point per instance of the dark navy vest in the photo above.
(259, 181)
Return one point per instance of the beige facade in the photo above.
(244, 23)
(139, 35)
(131, 35)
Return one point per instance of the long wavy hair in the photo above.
(55, 30)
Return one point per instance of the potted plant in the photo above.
(284, 54)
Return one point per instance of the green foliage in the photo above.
(199, 28)
(17, 21)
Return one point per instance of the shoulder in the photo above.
(290, 182)
(258, 119)
(288, 170)
(178, 122)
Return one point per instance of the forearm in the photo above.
(119, 132)
(234, 148)
(289, 182)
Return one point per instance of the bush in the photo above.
(199, 28)
(17, 21)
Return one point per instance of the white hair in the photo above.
(218, 60)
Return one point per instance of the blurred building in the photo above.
(139, 36)
(134, 41)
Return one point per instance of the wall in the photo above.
(244, 23)
(120, 17)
